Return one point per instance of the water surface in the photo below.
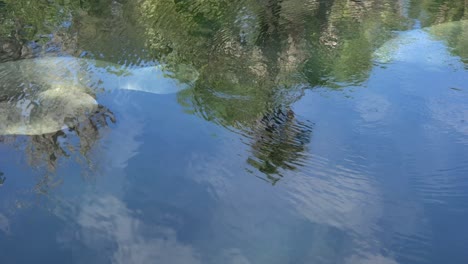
(315, 132)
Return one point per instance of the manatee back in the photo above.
(46, 112)
(32, 75)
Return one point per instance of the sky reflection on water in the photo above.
(307, 137)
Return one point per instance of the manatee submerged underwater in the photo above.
(426, 45)
(42, 95)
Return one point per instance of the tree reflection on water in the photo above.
(279, 142)
(48, 150)
(255, 58)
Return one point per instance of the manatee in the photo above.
(158, 79)
(47, 112)
(43, 95)
(428, 44)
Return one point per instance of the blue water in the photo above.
(375, 171)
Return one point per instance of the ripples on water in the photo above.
(302, 132)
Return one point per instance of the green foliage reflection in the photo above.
(254, 58)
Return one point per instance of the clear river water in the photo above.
(237, 132)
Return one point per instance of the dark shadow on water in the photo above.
(2, 178)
